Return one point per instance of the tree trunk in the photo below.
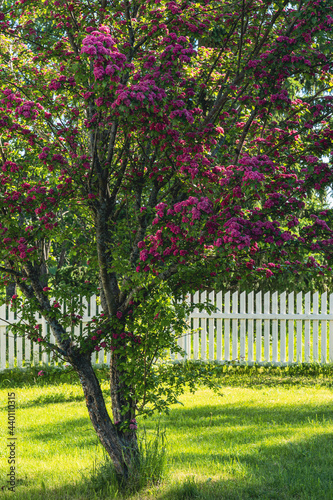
(10, 290)
(117, 393)
(121, 446)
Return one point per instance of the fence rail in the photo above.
(246, 328)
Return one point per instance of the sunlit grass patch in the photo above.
(254, 440)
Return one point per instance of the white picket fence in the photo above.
(20, 351)
(261, 328)
(246, 328)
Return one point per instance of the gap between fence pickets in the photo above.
(239, 332)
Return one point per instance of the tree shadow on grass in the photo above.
(245, 415)
(265, 380)
(68, 430)
(60, 397)
(299, 470)
(233, 440)
(47, 399)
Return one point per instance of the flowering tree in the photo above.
(158, 147)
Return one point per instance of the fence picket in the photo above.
(19, 350)
(227, 327)
(242, 310)
(11, 350)
(323, 333)
(35, 353)
(203, 330)
(235, 327)
(250, 310)
(283, 300)
(93, 306)
(196, 329)
(275, 328)
(299, 328)
(266, 328)
(187, 339)
(27, 351)
(45, 356)
(86, 307)
(258, 328)
(211, 328)
(219, 328)
(315, 328)
(93, 312)
(307, 308)
(52, 340)
(10, 338)
(291, 328)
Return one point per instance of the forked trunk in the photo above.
(121, 446)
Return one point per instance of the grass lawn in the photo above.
(266, 437)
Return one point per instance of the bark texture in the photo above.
(121, 446)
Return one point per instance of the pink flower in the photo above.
(119, 314)
(94, 337)
(103, 344)
(143, 255)
(97, 348)
(39, 339)
(41, 373)
(46, 288)
(133, 424)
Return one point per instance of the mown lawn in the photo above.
(265, 437)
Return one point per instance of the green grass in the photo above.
(268, 435)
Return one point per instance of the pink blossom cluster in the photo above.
(143, 93)
(177, 48)
(28, 109)
(108, 61)
(58, 83)
(18, 247)
(10, 98)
